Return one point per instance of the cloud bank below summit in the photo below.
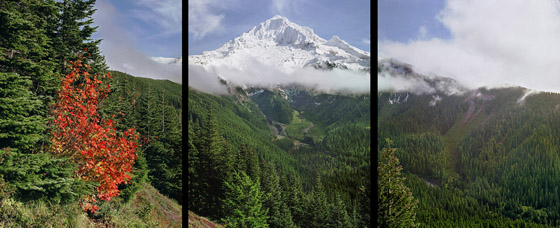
(388, 83)
(260, 75)
(492, 44)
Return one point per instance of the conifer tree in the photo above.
(340, 215)
(396, 203)
(25, 47)
(145, 112)
(243, 202)
(216, 165)
(253, 169)
(193, 167)
(297, 201)
(165, 161)
(41, 176)
(72, 35)
(364, 206)
(242, 158)
(280, 216)
(319, 207)
(21, 122)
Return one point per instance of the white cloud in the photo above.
(528, 92)
(205, 81)
(435, 99)
(204, 17)
(388, 83)
(120, 55)
(366, 41)
(326, 81)
(493, 43)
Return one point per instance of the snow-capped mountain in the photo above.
(286, 46)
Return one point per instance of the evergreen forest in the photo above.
(282, 157)
(482, 158)
(80, 143)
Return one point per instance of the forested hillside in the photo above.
(154, 108)
(488, 157)
(279, 158)
(78, 142)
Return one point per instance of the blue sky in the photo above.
(135, 30)
(491, 43)
(404, 20)
(213, 22)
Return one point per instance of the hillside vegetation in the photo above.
(292, 168)
(196, 221)
(483, 158)
(78, 143)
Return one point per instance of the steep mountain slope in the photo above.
(154, 108)
(287, 47)
(316, 135)
(475, 157)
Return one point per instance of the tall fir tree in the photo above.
(242, 158)
(253, 168)
(21, 122)
(319, 209)
(215, 166)
(297, 201)
(396, 203)
(72, 37)
(340, 215)
(280, 216)
(25, 47)
(193, 163)
(243, 203)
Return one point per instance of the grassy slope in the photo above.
(196, 221)
(297, 126)
(148, 209)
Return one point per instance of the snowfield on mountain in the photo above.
(287, 46)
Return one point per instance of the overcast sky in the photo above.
(135, 30)
(478, 42)
(214, 22)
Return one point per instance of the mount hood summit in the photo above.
(285, 46)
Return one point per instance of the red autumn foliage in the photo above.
(104, 156)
